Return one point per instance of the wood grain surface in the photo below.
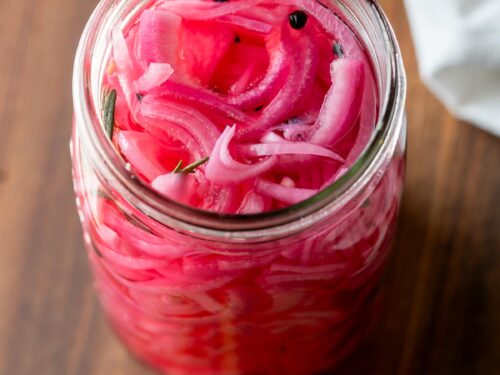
(443, 283)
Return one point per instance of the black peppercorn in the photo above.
(297, 19)
(338, 50)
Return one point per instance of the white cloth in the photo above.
(458, 50)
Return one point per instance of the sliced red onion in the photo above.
(289, 148)
(283, 193)
(273, 80)
(140, 240)
(201, 52)
(271, 137)
(299, 82)
(178, 187)
(253, 203)
(275, 15)
(174, 283)
(367, 121)
(155, 75)
(242, 83)
(247, 23)
(342, 103)
(131, 262)
(202, 10)
(157, 38)
(143, 152)
(200, 97)
(223, 169)
(155, 111)
(227, 86)
(218, 198)
(127, 71)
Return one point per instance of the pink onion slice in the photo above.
(300, 81)
(223, 169)
(131, 262)
(271, 137)
(242, 83)
(144, 153)
(289, 148)
(141, 239)
(156, 111)
(177, 187)
(157, 38)
(127, 71)
(223, 199)
(201, 97)
(275, 15)
(367, 120)
(342, 103)
(155, 75)
(247, 23)
(201, 51)
(253, 203)
(274, 78)
(283, 193)
(202, 10)
(173, 283)
(304, 64)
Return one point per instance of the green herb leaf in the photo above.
(109, 112)
(178, 169)
(192, 167)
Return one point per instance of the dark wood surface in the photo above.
(443, 283)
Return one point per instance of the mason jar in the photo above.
(292, 291)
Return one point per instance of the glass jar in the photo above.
(192, 292)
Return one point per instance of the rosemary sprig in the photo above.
(190, 168)
(109, 112)
(178, 169)
(104, 96)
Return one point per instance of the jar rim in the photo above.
(231, 226)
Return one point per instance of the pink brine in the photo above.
(238, 107)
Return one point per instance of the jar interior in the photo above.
(370, 26)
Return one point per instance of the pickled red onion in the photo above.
(175, 186)
(224, 169)
(283, 193)
(155, 75)
(342, 103)
(289, 148)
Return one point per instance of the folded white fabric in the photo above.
(458, 50)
